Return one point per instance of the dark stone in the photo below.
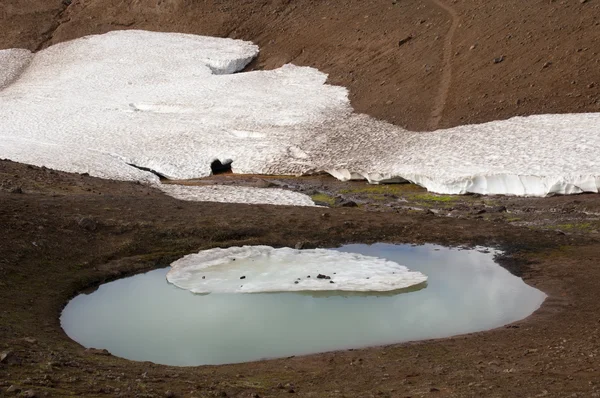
(88, 224)
(331, 282)
(347, 203)
(295, 282)
(242, 277)
(497, 209)
(401, 42)
(220, 168)
(321, 276)
(16, 190)
(499, 59)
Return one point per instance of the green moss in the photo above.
(575, 226)
(429, 197)
(323, 198)
(383, 189)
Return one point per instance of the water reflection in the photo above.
(145, 318)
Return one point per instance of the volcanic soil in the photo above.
(421, 65)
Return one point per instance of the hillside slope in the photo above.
(422, 65)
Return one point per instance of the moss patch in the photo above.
(383, 189)
(323, 198)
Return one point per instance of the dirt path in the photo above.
(440, 102)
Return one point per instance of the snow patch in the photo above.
(231, 194)
(12, 63)
(256, 269)
(173, 103)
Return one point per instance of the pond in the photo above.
(145, 318)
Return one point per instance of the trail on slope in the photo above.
(440, 101)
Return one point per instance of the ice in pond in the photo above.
(145, 318)
(261, 269)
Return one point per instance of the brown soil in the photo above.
(444, 76)
(61, 233)
(49, 254)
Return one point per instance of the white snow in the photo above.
(233, 194)
(172, 103)
(254, 269)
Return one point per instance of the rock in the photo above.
(401, 42)
(546, 64)
(299, 246)
(95, 351)
(295, 282)
(321, 276)
(12, 389)
(347, 203)
(496, 209)
(29, 394)
(4, 356)
(88, 224)
(30, 340)
(16, 190)
(499, 59)
(170, 394)
(331, 282)
(242, 277)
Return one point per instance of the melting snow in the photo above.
(230, 194)
(254, 269)
(172, 103)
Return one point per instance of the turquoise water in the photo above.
(145, 318)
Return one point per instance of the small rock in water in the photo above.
(242, 277)
(295, 282)
(308, 276)
(203, 277)
(331, 282)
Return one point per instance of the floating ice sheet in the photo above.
(254, 269)
(173, 103)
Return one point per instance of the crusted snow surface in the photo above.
(232, 194)
(12, 63)
(172, 103)
(254, 269)
(529, 156)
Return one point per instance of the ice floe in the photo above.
(254, 269)
(172, 103)
(233, 194)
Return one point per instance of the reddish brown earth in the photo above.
(62, 233)
(444, 76)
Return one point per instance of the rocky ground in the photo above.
(62, 233)
(422, 65)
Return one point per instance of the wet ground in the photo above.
(63, 233)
